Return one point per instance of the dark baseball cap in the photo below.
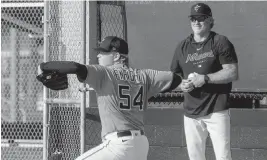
(200, 9)
(113, 44)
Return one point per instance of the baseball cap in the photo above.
(200, 9)
(113, 44)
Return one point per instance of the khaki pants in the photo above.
(217, 125)
(133, 147)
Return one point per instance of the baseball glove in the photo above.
(54, 80)
(53, 74)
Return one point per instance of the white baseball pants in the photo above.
(133, 147)
(217, 125)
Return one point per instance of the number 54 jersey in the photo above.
(123, 93)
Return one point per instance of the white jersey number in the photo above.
(126, 97)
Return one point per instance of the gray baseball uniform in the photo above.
(122, 95)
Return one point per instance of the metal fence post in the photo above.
(124, 21)
(45, 95)
(14, 38)
(83, 85)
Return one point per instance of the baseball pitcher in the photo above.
(122, 95)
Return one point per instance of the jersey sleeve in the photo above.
(175, 66)
(96, 76)
(226, 51)
(158, 81)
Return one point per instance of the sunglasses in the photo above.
(199, 18)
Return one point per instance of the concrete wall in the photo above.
(164, 129)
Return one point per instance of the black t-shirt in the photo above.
(204, 58)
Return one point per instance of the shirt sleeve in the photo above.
(158, 81)
(96, 76)
(175, 66)
(227, 54)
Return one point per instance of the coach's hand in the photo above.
(198, 80)
(187, 85)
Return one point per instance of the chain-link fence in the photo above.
(111, 19)
(65, 43)
(65, 38)
(23, 49)
(21, 94)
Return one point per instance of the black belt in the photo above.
(127, 133)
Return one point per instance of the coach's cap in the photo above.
(200, 9)
(113, 44)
